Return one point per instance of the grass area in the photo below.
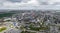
(2, 29)
(39, 28)
(35, 28)
(27, 32)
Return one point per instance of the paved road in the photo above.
(13, 31)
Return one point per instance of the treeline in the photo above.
(6, 15)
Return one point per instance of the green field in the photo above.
(2, 29)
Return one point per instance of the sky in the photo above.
(30, 4)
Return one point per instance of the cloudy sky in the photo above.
(30, 4)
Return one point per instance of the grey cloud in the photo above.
(18, 0)
(14, 0)
(26, 4)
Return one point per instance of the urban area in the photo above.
(30, 21)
